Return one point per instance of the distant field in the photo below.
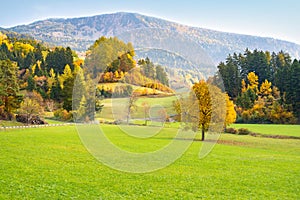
(135, 88)
(52, 163)
(271, 129)
(52, 121)
(119, 103)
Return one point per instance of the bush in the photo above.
(63, 115)
(33, 120)
(5, 115)
(243, 131)
(231, 130)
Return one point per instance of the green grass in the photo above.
(271, 129)
(120, 103)
(53, 121)
(4, 123)
(135, 88)
(52, 163)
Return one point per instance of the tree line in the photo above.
(245, 76)
(33, 74)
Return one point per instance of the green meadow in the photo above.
(117, 104)
(52, 163)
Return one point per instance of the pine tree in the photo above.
(31, 85)
(9, 87)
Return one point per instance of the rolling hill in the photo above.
(166, 41)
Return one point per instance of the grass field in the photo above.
(271, 129)
(52, 121)
(52, 163)
(4, 123)
(120, 103)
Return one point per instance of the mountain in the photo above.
(149, 35)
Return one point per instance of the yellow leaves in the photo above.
(259, 104)
(2, 37)
(244, 88)
(253, 81)
(265, 88)
(51, 79)
(39, 64)
(33, 68)
(122, 74)
(116, 75)
(230, 111)
(279, 114)
(66, 75)
(281, 59)
(67, 72)
(52, 73)
(108, 77)
(23, 48)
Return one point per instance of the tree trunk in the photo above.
(203, 135)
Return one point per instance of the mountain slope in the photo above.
(198, 45)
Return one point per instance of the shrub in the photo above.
(243, 131)
(33, 120)
(231, 130)
(62, 114)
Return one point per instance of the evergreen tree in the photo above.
(161, 75)
(31, 85)
(9, 87)
(59, 58)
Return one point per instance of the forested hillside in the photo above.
(265, 86)
(37, 80)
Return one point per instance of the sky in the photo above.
(269, 18)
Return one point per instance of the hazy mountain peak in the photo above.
(146, 32)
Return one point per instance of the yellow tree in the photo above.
(66, 81)
(131, 106)
(204, 101)
(65, 76)
(30, 107)
(253, 81)
(230, 111)
(146, 107)
(265, 88)
(244, 88)
(51, 80)
(116, 75)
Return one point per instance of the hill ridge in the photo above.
(147, 31)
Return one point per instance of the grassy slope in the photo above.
(135, 87)
(165, 102)
(52, 163)
(272, 129)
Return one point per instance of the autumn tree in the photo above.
(230, 112)
(109, 55)
(262, 104)
(30, 107)
(206, 107)
(201, 92)
(131, 106)
(253, 81)
(9, 87)
(66, 81)
(146, 108)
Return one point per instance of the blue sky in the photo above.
(272, 18)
